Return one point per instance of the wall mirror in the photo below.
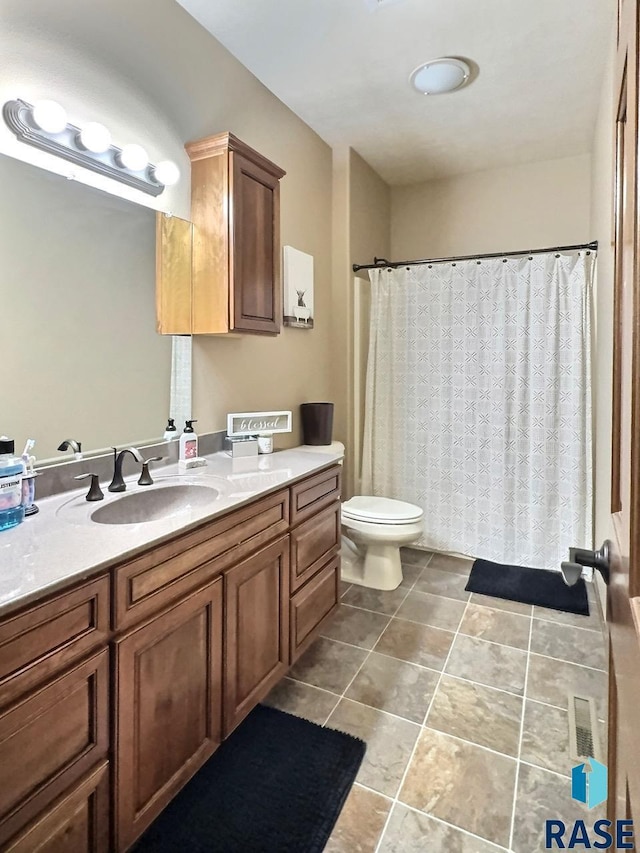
(81, 357)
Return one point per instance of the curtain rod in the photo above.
(383, 262)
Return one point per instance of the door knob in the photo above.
(579, 557)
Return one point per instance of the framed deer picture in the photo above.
(298, 288)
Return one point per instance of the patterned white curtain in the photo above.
(478, 405)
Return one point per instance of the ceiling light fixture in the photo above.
(440, 76)
(44, 125)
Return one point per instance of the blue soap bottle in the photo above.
(11, 474)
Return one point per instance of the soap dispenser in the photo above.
(188, 442)
(171, 431)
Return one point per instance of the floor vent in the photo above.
(583, 729)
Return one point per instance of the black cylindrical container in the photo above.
(317, 423)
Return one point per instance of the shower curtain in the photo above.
(478, 403)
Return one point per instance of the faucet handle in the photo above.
(95, 492)
(145, 476)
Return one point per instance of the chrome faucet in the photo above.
(118, 484)
(71, 444)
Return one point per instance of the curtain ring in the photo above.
(587, 253)
(530, 257)
(557, 256)
(478, 262)
(453, 264)
(504, 260)
(430, 266)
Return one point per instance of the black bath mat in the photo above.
(530, 586)
(277, 785)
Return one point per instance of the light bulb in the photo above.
(49, 116)
(166, 172)
(133, 157)
(94, 137)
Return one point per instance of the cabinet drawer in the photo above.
(43, 640)
(316, 492)
(49, 740)
(77, 822)
(312, 543)
(312, 605)
(160, 576)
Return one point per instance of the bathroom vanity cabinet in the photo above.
(114, 692)
(232, 250)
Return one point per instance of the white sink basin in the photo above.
(155, 504)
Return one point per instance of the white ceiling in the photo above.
(343, 67)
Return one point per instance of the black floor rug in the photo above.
(530, 586)
(277, 785)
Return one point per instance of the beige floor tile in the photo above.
(375, 599)
(438, 582)
(415, 643)
(328, 665)
(551, 681)
(499, 626)
(476, 713)
(360, 824)
(448, 563)
(358, 627)
(462, 784)
(415, 556)
(545, 738)
(543, 796)
(390, 742)
(344, 587)
(302, 700)
(488, 663)
(394, 686)
(592, 622)
(432, 610)
(410, 574)
(585, 648)
(501, 604)
(409, 831)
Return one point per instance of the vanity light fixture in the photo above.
(132, 157)
(44, 125)
(166, 172)
(440, 76)
(94, 137)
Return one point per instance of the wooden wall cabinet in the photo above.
(234, 248)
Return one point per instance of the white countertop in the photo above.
(61, 544)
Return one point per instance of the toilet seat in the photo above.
(375, 510)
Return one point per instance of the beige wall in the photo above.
(518, 207)
(361, 229)
(602, 230)
(154, 76)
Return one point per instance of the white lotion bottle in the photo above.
(188, 442)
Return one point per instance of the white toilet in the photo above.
(374, 529)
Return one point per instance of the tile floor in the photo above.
(462, 701)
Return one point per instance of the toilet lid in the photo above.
(369, 508)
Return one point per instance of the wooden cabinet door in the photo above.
(168, 719)
(257, 629)
(78, 822)
(256, 304)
